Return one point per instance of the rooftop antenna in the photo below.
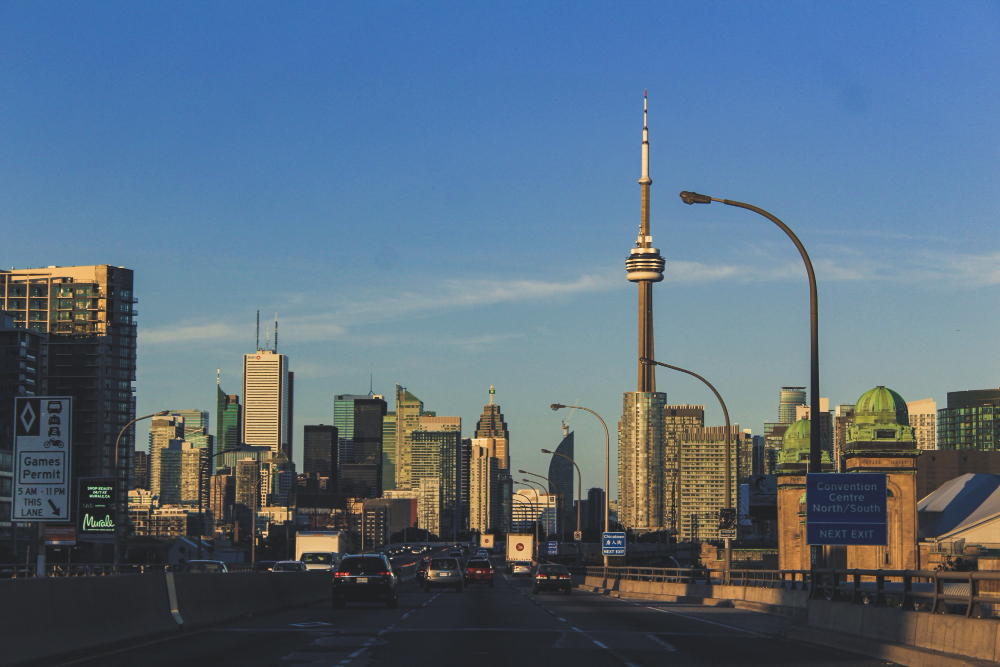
(371, 379)
(275, 331)
(258, 331)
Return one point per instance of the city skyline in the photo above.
(872, 139)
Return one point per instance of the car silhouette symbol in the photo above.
(54, 419)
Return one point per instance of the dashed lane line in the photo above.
(669, 647)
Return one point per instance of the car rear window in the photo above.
(362, 566)
(320, 558)
(444, 564)
(478, 563)
(553, 569)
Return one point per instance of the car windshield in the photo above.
(362, 566)
(317, 559)
(444, 564)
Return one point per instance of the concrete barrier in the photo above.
(49, 616)
(42, 617)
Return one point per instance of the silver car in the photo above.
(289, 566)
(446, 572)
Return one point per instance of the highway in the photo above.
(503, 627)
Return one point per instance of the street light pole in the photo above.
(815, 448)
(120, 483)
(579, 483)
(532, 505)
(607, 464)
(728, 563)
(559, 494)
(540, 491)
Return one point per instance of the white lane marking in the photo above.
(695, 618)
(604, 646)
(669, 647)
(559, 641)
(561, 619)
(312, 624)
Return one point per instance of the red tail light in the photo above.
(340, 574)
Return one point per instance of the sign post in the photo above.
(613, 544)
(43, 431)
(846, 508)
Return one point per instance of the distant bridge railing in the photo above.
(971, 594)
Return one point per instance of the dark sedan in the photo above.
(365, 578)
(550, 577)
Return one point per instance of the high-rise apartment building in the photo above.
(266, 400)
(162, 431)
(182, 474)
(140, 470)
(703, 478)
(923, 419)
(640, 430)
(676, 419)
(227, 420)
(791, 397)
(485, 491)
(222, 496)
(88, 313)
(971, 420)
(492, 425)
(196, 427)
(319, 450)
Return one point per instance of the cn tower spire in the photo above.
(645, 266)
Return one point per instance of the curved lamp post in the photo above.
(729, 474)
(607, 463)
(579, 483)
(815, 449)
(532, 506)
(559, 494)
(120, 483)
(540, 491)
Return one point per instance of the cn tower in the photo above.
(645, 266)
(641, 429)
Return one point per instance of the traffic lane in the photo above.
(641, 632)
(314, 633)
(492, 627)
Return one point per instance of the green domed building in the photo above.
(881, 422)
(794, 455)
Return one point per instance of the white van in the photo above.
(321, 560)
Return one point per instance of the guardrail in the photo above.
(100, 569)
(966, 593)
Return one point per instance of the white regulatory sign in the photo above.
(42, 458)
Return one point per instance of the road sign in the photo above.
(552, 548)
(613, 544)
(578, 535)
(60, 536)
(42, 457)
(727, 533)
(96, 508)
(846, 508)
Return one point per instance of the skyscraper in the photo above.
(492, 425)
(562, 476)
(676, 419)
(319, 451)
(88, 313)
(162, 431)
(703, 478)
(389, 451)
(196, 427)
(265, 400)
(641, 429)
(227, 421)
(437, 457)
(359, 422)
(971, 420)
(408, 411)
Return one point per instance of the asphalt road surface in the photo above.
(504, 626)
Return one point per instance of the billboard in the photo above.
(43, 432)
(96, 508)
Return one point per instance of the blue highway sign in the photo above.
(613, 544)
(846, 508)
(552, 548)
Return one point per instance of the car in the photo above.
(483, 553)
(479, 571)
(263, 565)
(422, 571)
(520, 568)
(365, 578)
(320, 560)
(456, 553)
(289, 566)
(446, 572)
(204, 566)
(552, 577)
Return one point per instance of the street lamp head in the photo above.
(545, 451)
(646, 361)
(162, 413)
(695, 198)
(556, 406)
(523, 472)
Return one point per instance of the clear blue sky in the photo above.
(446, 194)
